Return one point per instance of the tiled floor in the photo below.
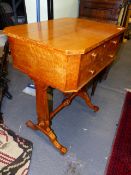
(87, 134)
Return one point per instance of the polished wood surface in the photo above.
(63, 34)
(67, 44)
(65, 54)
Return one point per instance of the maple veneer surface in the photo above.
(63, 53)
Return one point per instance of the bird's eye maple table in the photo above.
(64, 54)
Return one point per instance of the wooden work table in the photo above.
(64, 54)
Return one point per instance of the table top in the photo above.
(68, 35)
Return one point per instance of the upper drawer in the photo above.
(110, 48)
(114, 43)
(90, 65)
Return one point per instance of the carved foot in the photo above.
(55, 142)
(93, 107)
(31, 125)
(83, 94)
(96, 108)
(50, 134)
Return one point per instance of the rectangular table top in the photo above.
(68, 35)
(63, 53)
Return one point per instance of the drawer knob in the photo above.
(94, 55)
(111, 56)
(119, 28)
(92, 72)
(114, 42)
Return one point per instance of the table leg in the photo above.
(44, 121)
(84, 95)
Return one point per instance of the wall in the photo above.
(31, 10)
(66, 8)
(62, 8)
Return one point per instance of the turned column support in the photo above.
(43, 116)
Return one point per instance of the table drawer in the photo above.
(114, 43)
(109, 50)
(90, 65)
(96, 60)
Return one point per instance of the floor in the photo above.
(87, 134)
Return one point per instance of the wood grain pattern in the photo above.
(65, 54)
(65, 42)
(68, 35)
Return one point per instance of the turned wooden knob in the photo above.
(94, 55)
(111, 56)
(92, 72)
(119, 28)
(114, 42)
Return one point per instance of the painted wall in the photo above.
(66, 8)
(31, 10)
(62, 8)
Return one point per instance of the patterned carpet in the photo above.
(15, 153)
(120, 159)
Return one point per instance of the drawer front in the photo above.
(110, 50)
(90, 64)
(95, 61)
(114, 43)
